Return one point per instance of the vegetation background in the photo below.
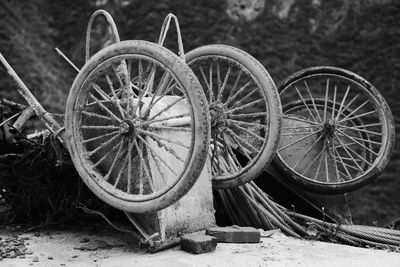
(284, 35)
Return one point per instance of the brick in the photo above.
(198, 243)
(235, 234)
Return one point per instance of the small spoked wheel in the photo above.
(244, 109)
(137, 126)
(337, 133)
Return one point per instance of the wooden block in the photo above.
(198, 243)
(235, 234)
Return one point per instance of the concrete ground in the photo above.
(106, 248)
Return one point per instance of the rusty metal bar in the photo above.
(42, 114)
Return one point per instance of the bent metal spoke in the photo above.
(334, 131)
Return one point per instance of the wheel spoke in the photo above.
(326, 98)
(165, 119)
(348, 153)
(299, 140)
(230, 153)
(241, 90)
(312, 100)
(105, 108)
(99, 127)
(164, 93)
(157, 163)
(242, 100)
(354, 140)
(105, 156)
(120, 148)
(341, 104)
(242, 148)
(360, 130)
(155, 154)
(248, 124)
(115, 99)
(101, 92)
(168, 149)
(232, 91)
(255, 102)
(121, 171)
(334, 101)
(244, 142)
(326, 166)
(305, 104)
(163, 138)
(300, 127)
(348, 104)
(248, 115)
(308, 151)
(219, 82)
(85, 141)
(313, 161)
(221, 91)
(343, 164)
(203, 75)
(211, 83)
(167, 107)
(95, 115)
(103, 145)
(357, 116)
(235, 124)
(294, 133)
(361, 139)
(214, 152)
(368, 125)
(129, 178)
(143, 166)
(300, 119)
(354, 111)
(162, 85)
(170, 128)
(320, 163)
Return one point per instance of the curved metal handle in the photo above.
(110, 21)
(164, 30)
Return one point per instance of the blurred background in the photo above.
(362, 36)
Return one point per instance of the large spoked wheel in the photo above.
(137, 126)
(245, 112)
(338, 131)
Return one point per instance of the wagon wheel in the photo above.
(338, 131)
(139, 146)
(245, 112)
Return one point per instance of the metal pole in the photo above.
(42, 114)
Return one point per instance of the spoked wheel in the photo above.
(338, 131)
(137, 126)
(245, 112)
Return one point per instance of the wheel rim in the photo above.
(239, 115)
(117, 123)
(334, 129)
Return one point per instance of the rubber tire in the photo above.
(274, 106)
(201, 123)
(352, 185)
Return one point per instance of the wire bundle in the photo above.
(248, 205)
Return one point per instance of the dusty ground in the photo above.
(106, 248)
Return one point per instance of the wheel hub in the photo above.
(330, 127)
(218, 115)
(127, 128)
